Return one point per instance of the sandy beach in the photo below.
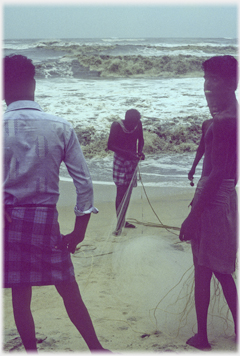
(138, 287)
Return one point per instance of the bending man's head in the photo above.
(132, 118)
(19, 82)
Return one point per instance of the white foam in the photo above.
(97, 102)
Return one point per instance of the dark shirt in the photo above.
(127, 141)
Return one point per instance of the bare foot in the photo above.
(199, 343)
(103, 350)
(128, 225)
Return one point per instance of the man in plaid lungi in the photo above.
(126, 141)
(211, 225)
(35, 253)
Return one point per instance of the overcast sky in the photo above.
(136, 20)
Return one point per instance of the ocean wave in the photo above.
(201, 46)
(117, 39)
(159, 46)
(132, 48)
(82, 60)
(179, 135)
(105, 66)
(121, 58)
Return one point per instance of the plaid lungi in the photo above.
(123, 171)
(31, 257)
(215, 243)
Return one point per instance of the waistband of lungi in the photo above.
(11, 206)
(226, 184)
(226, 189)
(225, 193)
(123, 160)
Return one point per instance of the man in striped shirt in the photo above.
(35, 252)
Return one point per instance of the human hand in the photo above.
(188, 229)
(70, 241)
(191, 174)
(141, 156)
(7, 218)
(133, 156)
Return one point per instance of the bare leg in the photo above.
(78, 314)
(230, 294)
(21, 300)
(202, 298)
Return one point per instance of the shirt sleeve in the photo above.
(78, 170)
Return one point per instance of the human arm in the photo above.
(78, 170)
(140, 142)
(221, 144)
(198, 156)
(7, 218)
(200, 150)
(77, 235)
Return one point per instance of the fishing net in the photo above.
(122, 209)
(156, 277)
(153, 276)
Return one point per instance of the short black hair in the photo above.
(18, 70)
(132, 114)
(224, 66)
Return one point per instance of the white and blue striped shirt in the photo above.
(35, 144)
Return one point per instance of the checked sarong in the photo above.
(30, 252)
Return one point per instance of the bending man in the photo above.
(126, 141)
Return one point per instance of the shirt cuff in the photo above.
(89, 211)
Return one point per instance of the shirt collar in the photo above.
(23, 104)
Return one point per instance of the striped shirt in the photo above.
(35, 144)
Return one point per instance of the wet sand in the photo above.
(136, 286)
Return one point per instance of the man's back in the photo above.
(35, 144)
(34, 147)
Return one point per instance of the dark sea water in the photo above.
(92, 82)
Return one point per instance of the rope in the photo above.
(122, 209)
(124, 205)
(160, 225)
(184, 312)
(152, 224)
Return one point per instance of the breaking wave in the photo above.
(180, 136)
(127, 60)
